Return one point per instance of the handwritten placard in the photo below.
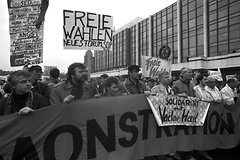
(26, 45)
(151, 66)
(85, 30)
(173, 110)
(216, 75)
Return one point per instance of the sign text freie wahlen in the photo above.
(85, 30)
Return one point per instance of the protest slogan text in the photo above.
(85, 30)
(117, 128)
(151, 66)
(26, 44)
(174, 110)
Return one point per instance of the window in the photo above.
(192, 42)
(222, 12)
(222, 24)
(200, 39)
(235, 7)
(192, 23)
(192, 14)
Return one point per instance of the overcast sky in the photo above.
(123, 11)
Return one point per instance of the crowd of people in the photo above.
(24, 91)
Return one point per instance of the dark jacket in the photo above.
(41, 88)
(64, 89)
(182, 86)
(130, 88)
(38, 102)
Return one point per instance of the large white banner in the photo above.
(151, 66)
(25, 39)
(85, 30)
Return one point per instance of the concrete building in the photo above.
(201, 34)
(89, 61)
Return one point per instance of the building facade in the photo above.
(202, 34)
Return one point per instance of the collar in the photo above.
(229, 88)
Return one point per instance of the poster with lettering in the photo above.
(151, 66)
(216, 74)
(85, 30)
(26, 45)
(173, 110)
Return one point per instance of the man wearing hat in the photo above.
(133, 85)
(37, 85)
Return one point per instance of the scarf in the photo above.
(10, 101)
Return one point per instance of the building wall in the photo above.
(191, 28)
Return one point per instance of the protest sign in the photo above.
(26, 45)
(119, 128)
(85, 30)
(216, 75)
(151, 66)
(174, 110)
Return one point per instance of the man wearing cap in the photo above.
(133, 85)
(74, 88)
(37, 85)
(229, 92)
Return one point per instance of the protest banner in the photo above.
(216, 74)
(175, 110)
(151, 66)
(119, 128)
(26, 31)
(85, 30)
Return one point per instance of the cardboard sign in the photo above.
(216, 75)
(151, 66)
(174, 110)
(26, 40)
(85, 30)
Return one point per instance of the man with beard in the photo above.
(75, 87)
(21, 99)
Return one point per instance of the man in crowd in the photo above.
(133, 85)
(211, 88)
(199, 89)
(54, 77)
(201, 93)
(164, 88)
(184, 86)
(229, 92)
(37, 85)
(75, 87)
(164, 82)
(22, 99)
